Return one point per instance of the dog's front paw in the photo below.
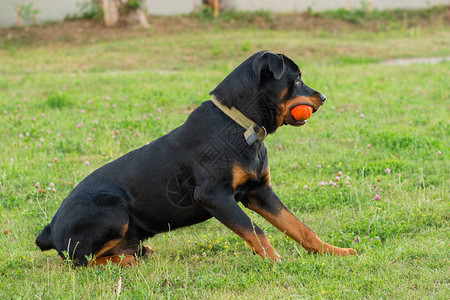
(342, 251)
(349, 251)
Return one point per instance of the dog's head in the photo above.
(265, 88)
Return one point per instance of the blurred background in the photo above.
(84, 82)
(55, 10)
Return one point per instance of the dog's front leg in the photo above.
(265, 202)
(224, 207)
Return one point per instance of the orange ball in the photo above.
(302, 112)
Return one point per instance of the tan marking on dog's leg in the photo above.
(149, 250)
(108, 246)
(286, 222)
(260, 245)
(117, 259)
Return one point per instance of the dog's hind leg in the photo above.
(122, 251)
(120, 260)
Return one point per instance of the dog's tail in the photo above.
(44, 239)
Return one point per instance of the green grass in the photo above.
(392, 18)
(53, 96)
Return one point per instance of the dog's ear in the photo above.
(276, 65)
(274, 62)
(243, 84)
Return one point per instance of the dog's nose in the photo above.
(322, 97)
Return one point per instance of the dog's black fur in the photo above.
(197, 171)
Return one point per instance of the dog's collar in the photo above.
(253, 131)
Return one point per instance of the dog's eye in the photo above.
(298, 80)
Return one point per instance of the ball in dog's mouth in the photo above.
(302, 112)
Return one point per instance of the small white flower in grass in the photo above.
(369, 146)
(410, 122)
(305, 186)
(438, 152)
(377, 197)
(361, 116)
(52, 184)
(37, 184)
(53, 190)
(319, 166)
(49, 165)
(86, 163)
(387, 171)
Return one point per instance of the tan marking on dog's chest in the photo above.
(241, 176)
(265, 176)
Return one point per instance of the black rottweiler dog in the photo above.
(200, 170)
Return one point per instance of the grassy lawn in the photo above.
(66, 108)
